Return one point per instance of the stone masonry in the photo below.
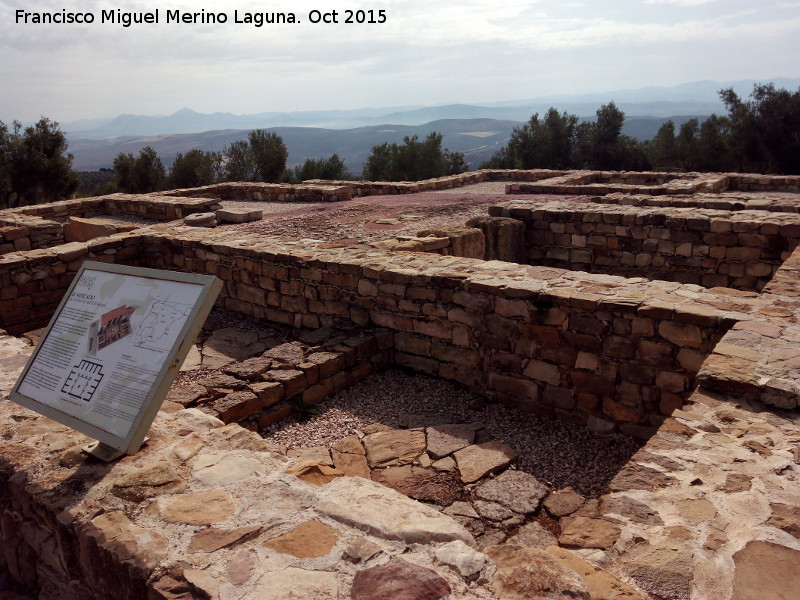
(707, 378)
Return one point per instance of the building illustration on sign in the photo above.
(155, 331)
(114, 325)
(83, 380)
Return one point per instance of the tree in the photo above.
(413, 160)
(5, 164)
(142, 174)
(37, 167)
(606, 148)
(543, 143)
(765, 131)
(238, 161)
(332, 168)
(688, 144)
(502, 159)
(378, 166)
(194, 169)
(262, 157)
(269, 155)
(713, 145)
(663, 149)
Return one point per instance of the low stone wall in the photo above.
(22, 232)
(604, 351)
(42, 226)
(594, 349)
(391, 188)
(772, 202)
(33, 283)
(631, 182)
(14, 238)
(289, 378)
(158, 207)
(741, 249)
(447, 241)
(271, 192)
(751, 182)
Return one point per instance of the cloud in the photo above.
(426, 52)
(680, 2)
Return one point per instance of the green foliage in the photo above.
(239, 164)
(502, 159)
(34, 164)
(269, 155)
(194, 169)
(541, 143)
(765, 131)
(325, 168)
(378, 166)
(413, 160)
(142, 174)
(663, 149)
(97, 183)
(760, 135)
(5, 164)
(262, 157)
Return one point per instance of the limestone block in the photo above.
(229, 215)
(78, 229)
(201, 220)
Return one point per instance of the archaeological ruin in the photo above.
(650, 319)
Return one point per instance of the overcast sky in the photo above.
(426, 53)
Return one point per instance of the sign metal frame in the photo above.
(110, 446)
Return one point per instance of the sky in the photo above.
(426, 53)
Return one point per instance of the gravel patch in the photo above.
(124, 219)
(270, 208)
(484, 187)
(556, 453)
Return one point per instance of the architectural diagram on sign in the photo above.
(83, 380)
(114, 325)
(162, 322)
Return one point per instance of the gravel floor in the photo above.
(125, 219)
(271, 208)
(484, 187)
(558, 454)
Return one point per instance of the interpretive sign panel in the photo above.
(113, 348)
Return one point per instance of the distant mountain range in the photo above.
(478, 130)
(699, 98)
(478, 139)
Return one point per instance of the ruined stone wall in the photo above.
(390, 188)
(42, 226)
(751, 182)
(741, 249)
(630, 182)
(33, 283)
(772, 202)
(605, 351)
(270, 192)
(623, 357)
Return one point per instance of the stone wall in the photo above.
(630, 182)
(596, 349)
(390, 188)
(156, 207)
(737, 249)
(33, 283)
(752, 182)
(772, 201)
(271, 192)
(448, 241)
(42, 226)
